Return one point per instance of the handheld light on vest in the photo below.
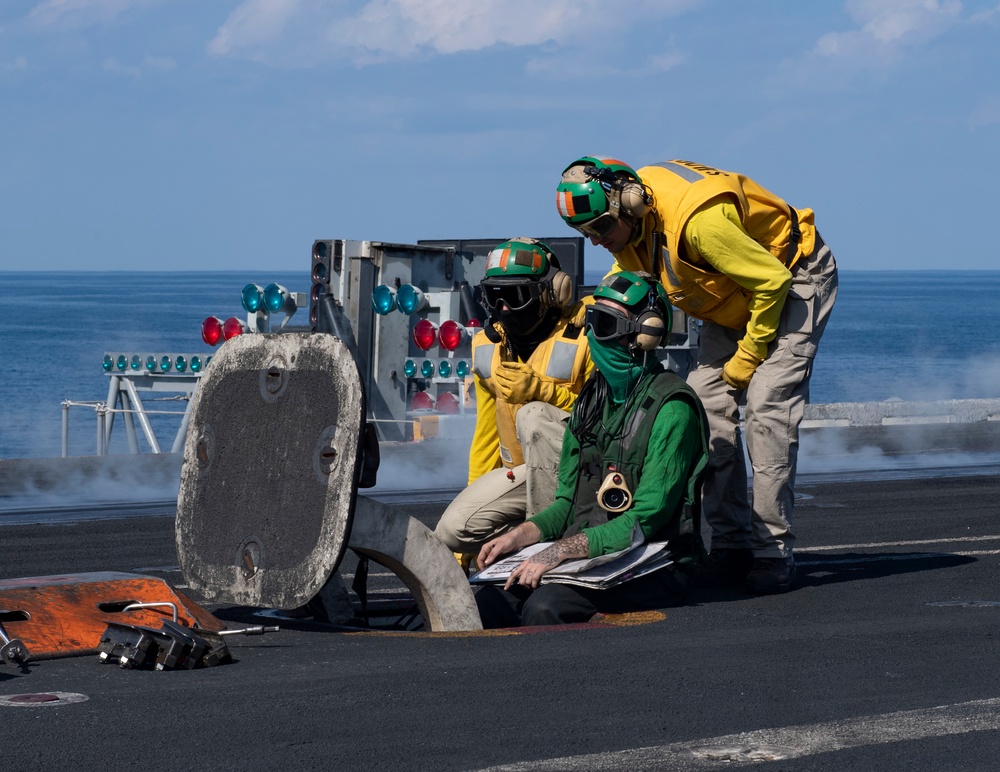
(614, 495)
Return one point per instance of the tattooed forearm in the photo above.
(565, 549)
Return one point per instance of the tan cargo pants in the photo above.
(775, 403)
(496, 502)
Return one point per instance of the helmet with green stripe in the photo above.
(519, 257)
(648, 310)
(590, 195)
(522, 270)
(632, 289)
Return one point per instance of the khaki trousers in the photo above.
(501, 499)
(775, 403)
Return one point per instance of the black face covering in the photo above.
(527, 327)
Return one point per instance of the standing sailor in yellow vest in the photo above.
(758, 274)
(529, 365)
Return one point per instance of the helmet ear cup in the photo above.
(634, 200)
(652, 330)
(561, 290)
(653, 326)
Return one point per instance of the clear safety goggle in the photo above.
(608, 323)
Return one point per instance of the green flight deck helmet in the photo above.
(520, 270)
(595, 191)
(648, 319)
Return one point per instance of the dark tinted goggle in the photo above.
(609, 323)
(599, 227)
(516, 296)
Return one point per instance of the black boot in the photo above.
(726, 567)
(771, 575)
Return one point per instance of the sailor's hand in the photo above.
(578, 313)
(530, 572)
(512, 541)
(518, 383)
(740, 369)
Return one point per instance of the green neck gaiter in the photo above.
(616, 364)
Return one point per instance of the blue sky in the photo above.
(229, 134)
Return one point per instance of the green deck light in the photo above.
(276, 298)
(252, 298)
(410, 299)
(383, 299)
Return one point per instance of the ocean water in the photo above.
(909, 335)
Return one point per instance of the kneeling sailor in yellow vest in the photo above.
(529, 365)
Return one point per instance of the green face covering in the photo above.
(617, 366)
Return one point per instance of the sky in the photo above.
(229, 134)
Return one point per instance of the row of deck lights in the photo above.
(262, 301)
(151, 364)
(444, 369)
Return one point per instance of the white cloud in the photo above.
(986, 15)
(81, 12)
(383, 30)
(254, 23)
(113, 65)
(888, 24)
(887, 30)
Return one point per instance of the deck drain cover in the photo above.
(40, 699)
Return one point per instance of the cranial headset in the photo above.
(647, 328)
(594, 192)
(521, 271)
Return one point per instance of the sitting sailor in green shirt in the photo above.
(632, 457)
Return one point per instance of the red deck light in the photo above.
(424, 334)
(451, 335)
(211, 330)
(232, 327)
(422, 401)
(447, 403)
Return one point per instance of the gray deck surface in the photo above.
(885, 657)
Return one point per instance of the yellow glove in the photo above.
(517, 383)
(578, 313)
(740, 369)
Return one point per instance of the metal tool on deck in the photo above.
(13, 650)
(172, 647)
